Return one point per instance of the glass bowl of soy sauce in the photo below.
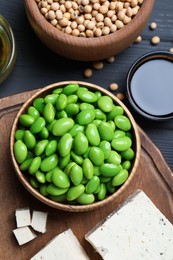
(150, 85)
(7, 49)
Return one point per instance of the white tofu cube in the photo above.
(24, 235)
(64, 246)
(137, 230)
(39, 220)
(23, 217)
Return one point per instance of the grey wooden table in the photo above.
(36, 66)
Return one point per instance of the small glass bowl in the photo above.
(7, 49)
(149, 85)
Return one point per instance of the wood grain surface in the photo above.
(36, 66)
(153, 176)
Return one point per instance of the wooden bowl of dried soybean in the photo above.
(88, 30)
(75, 146)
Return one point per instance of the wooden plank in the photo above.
(153, 176)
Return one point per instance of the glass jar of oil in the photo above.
(7, 49)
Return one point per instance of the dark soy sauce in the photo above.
(152, 87)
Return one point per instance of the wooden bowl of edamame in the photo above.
(75, 146)
(88, 30)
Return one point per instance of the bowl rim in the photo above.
(166, 55)
(48, 28)
(67, 207)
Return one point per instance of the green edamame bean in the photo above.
(75, 191)
(84, 106)
(68, 168)
(84, 180)
(64, 161)
(62, 126)
(40, 147)
(105, 130)
(99, 114)
(48, 176)
(29, 139)
(26, 120)
(39, 104)
(96, 122)
(72, 99)
(32, 111)
(112, 124)
(60, 179)
(104, 179)
(20, 151)
(49, 163)
(76, 174)
(92, 134)
(126, 165)
(105, 103)
(86, 154)
(96, 170)
(110, 169)
(88, 169)
(118, 133)
(96, 155)
(19, 134)
(25, 165)
(34, 183)
(72, 109)
(61, 102)
(129, 134)
(114, 157)
(102, 192)
(128, 154)
(111, 189)
(120, 178)
(49, 112)
(122, 122)
(51, 98)
(44, 134)
(116, 110)
(61, 114)
(43, 189)
(55, 191)
(92, 185)
(98, 94)
(57, 91)
(85, 117)
(76, 158)
(60, 198)
(121, 144)
(86, 199)
(70, 89)
(76, 129)
(105, 146)
(38, 125)
(51, 147)
(86, 96)
(65, 144)
(35, 165)
(40, 176)
(80, 144)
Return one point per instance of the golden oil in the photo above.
(7, 49)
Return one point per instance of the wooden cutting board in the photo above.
(153, 176)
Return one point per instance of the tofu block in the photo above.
(24, 235)
(64, 246)
(23, 217)
(136, 230)
(39, 220)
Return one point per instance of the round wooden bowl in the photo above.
(68, 207)
(87, 49)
